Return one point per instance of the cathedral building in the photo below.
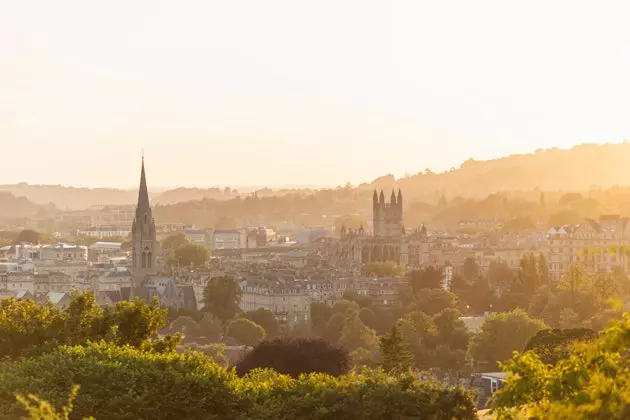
(388, 242)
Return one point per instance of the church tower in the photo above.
(388, 217)
(145, 245)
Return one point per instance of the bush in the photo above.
(126, 383)
(120, 383)
(28, 329)
(294, 357)
(245, 331)
(366, 395)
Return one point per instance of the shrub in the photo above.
(126, 383)
(294, 357)
(120, 383)
(365, 395)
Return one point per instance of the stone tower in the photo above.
(388, 217)
(145, 245)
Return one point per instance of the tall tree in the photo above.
(470, 269)
(500, 276)
(528, 275)
(221, 297)
(320, 314)
(190, 255)
(172, 242)
(543, 270)
(266, 319)
(426, 278)
(395, 351)
(356, 334)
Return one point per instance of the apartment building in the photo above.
(598, 244)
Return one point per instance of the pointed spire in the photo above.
(375, 197)
(143, 192)
(393, 198)
(382, 198)
(399, 196)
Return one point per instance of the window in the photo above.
(493, 386)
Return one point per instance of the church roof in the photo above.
(143, 192)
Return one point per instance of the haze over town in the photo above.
(240, 93)
(329, 210)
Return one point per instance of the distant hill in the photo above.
(12, 207)
(70, 198)
(576, 169)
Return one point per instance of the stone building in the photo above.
(388, 242)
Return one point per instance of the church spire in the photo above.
(143, 192)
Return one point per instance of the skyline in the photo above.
(242, 94)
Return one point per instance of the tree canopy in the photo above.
(499, 335)
(221, 297)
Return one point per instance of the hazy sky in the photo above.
(235, 92)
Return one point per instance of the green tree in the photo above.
(382, 269)
(27, 236)
(172, 242)
(266, 319)
(221, 297)
(185, 325)
(500, 276)
(592, 382)
(296, 356)
(575, 281)
(245, 331)
(528, 275)
(209, 327)
(499, 335)
(190, 255)
(356, 334)
(429, 277)
(366, 315)
(334, 327)
(552, 346)
(27, 328)
(320, 314)
(543, 270)
(345, 307)
(395, 351)
(432, 301)
(470, 269)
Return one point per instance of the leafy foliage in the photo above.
(221, 297)
(356, 334)
(551, 346)
(294, 357)
(245, 331)
(121, 383)
(266, 319)
(395, 351)
(429, 277)
(501, 334)
(593, 382)
(27, 328)
(190, 255)
(382, 269)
